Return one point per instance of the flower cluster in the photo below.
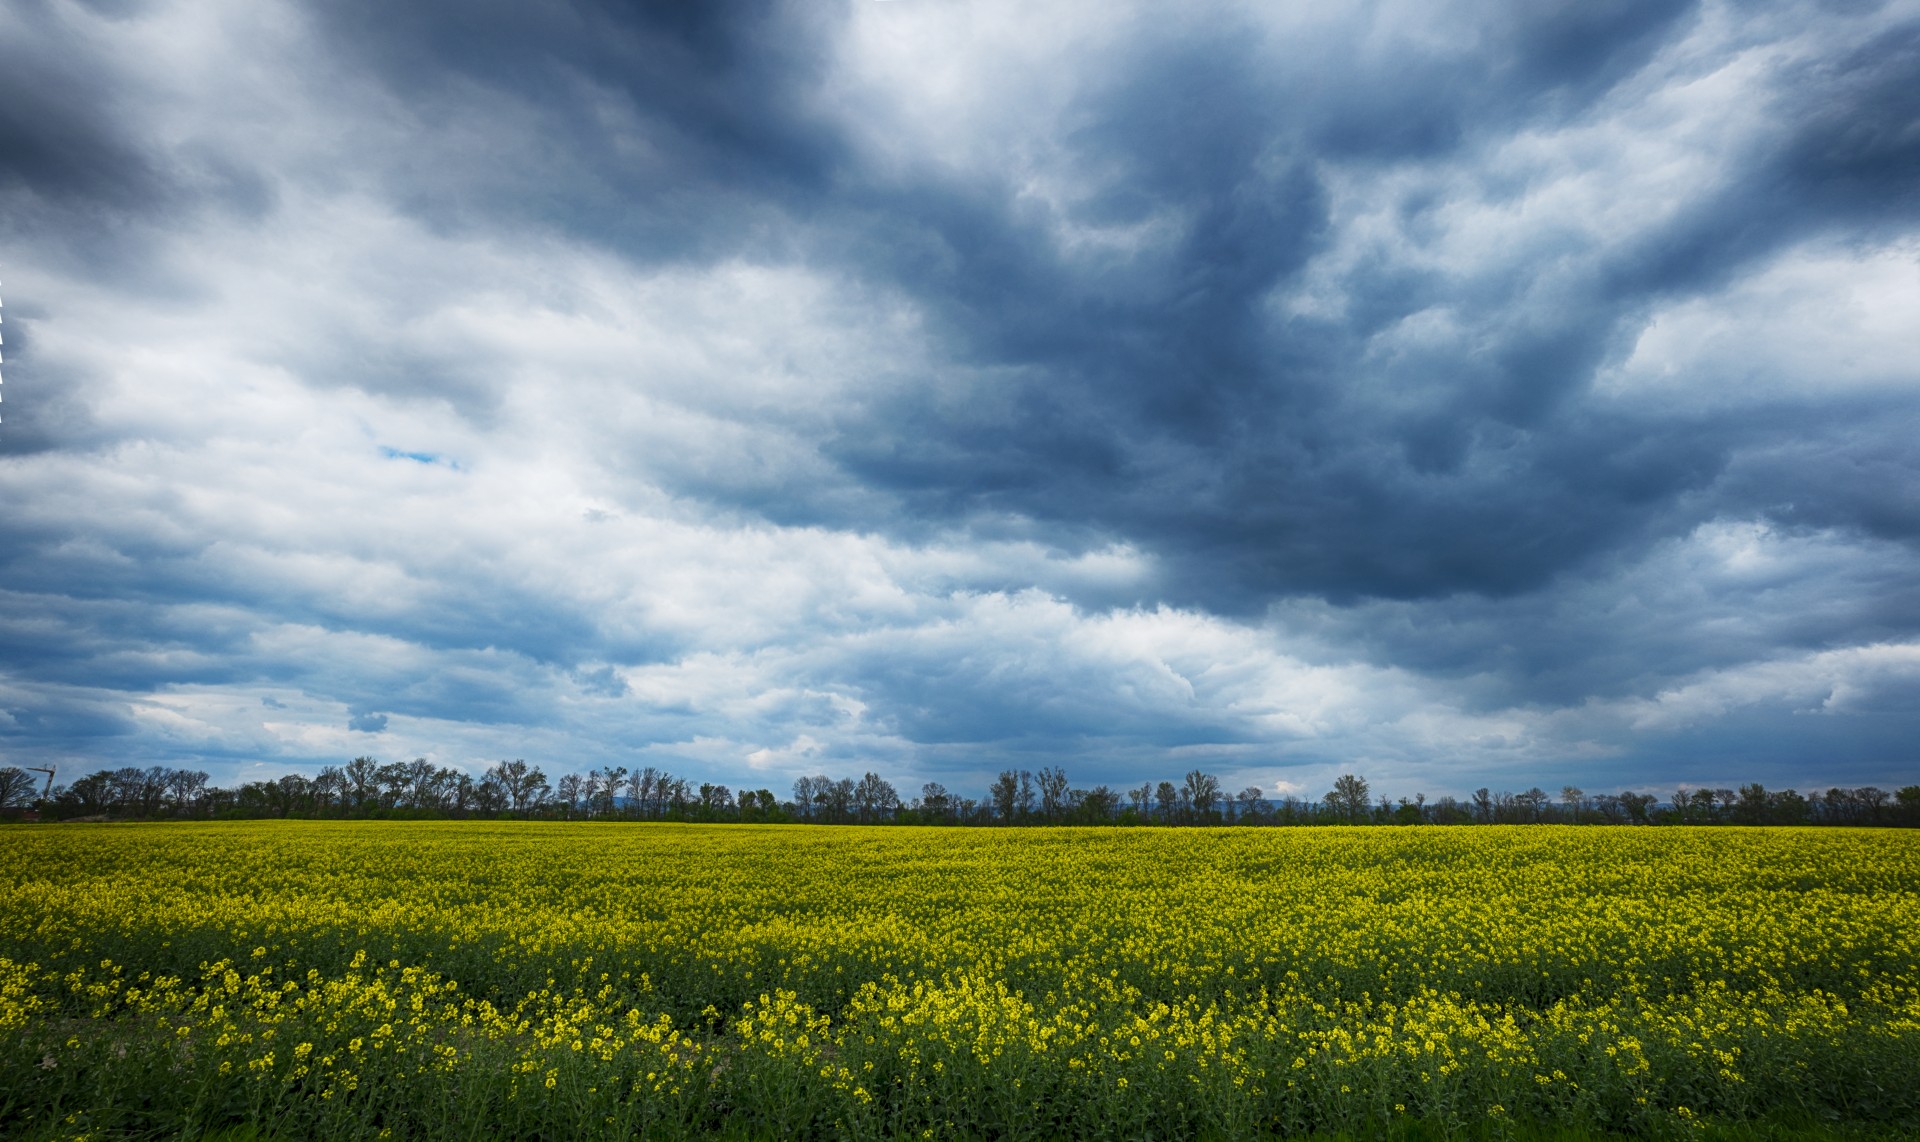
(345, 980)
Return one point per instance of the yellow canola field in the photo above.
(381, 979)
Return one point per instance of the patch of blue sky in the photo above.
(419, 457)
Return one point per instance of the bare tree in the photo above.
(803, 790)
(186, 787)
(875, 798)
(521, 786)
(16, 787)
(1053, 792)
(640, 785)
(567, 791)
(489, 796)
(1200, 790)
(1348, 798)
(149, 791)
(1005, 795)
(363, 781)
(611, 779)
(840, 799)
(329, 787)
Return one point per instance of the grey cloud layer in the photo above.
(1477, 394)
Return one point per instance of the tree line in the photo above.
(365, 787)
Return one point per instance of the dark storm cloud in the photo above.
(1159, 401)
(1845, 159)
(62, 136)
(76, 722)
(667, 130)
(1286, 326)
(1523, 63)
(79, 173)
(1851, 467)
(1155, 400)
(44, 410)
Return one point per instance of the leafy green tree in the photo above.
(716, 801)
(759, 805)
(89, 796)
(1097, 805)
(1788, 807)
(1638, 806)
(1752, 805)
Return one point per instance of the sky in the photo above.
(1458, 394)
